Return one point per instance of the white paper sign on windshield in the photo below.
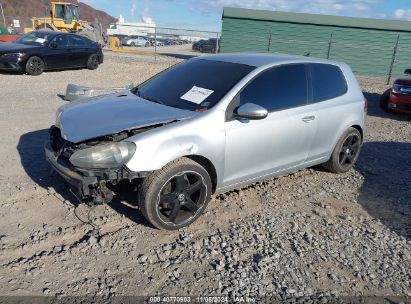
(40, 40)
(197, 95)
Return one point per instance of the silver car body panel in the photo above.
(136, 41)
(241, 151)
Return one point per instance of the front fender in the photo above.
(156, 148)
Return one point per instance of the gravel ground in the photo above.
(311, 234)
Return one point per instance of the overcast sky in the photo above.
(206, 14)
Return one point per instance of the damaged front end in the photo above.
(89, 182)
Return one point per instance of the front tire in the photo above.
(35, 66)
(93, 62)
(175, 196)
(346, 152)
(384, 99)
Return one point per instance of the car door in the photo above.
(79, 50)
(329, 105)
(57, 55)
(255, 148)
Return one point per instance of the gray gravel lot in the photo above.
(311, 234)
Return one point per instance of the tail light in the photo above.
(365, 104)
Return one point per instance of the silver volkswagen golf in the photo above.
(209, 125)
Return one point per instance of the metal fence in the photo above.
(177, 42)
(150, 39)
(368, 52)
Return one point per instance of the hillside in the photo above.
(25, 9)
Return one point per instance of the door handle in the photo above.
(308, 118)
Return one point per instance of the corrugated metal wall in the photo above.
(367, 51)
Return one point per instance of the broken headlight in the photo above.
(104, 156)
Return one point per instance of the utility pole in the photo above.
(2, 13)
(45, 18)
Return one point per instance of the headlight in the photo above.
(14, 55)
(105, 156)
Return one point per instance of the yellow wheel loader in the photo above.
(64, 17)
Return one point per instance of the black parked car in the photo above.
(39, 51)
(209, 46)
(196, 45)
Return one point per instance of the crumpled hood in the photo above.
(110, 114)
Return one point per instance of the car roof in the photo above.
(259, 59)
(54, 33)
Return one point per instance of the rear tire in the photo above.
(93, 62)
(176, 195)
(384, 99)
(346, 152)
(35, 66)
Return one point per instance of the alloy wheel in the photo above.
(36, 66)
(181, 198)
(349, 151)
(94, 61)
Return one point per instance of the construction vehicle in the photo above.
(64, 17)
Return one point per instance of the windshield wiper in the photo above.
(137, 92)
(150, 99)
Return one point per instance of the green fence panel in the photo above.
(368, 51)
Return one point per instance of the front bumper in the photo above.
(11, 64)
(82, 184)
(90, 186)
(400, 103)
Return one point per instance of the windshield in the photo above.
(37, 39)
(74, 12)
(197, 84)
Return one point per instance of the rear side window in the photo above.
(61, 41)
(327, 82)
(77, 41)
(279, 88)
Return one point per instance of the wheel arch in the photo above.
(208, 165)
(360, 129)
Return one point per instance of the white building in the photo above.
(123, 28)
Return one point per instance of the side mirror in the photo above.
(53, 45)
(251, 111)
(130, 86)
(407, 72)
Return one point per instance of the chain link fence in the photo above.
(143, 39)
(149, 39)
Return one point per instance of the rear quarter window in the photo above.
(77, 41)
(327, 81)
